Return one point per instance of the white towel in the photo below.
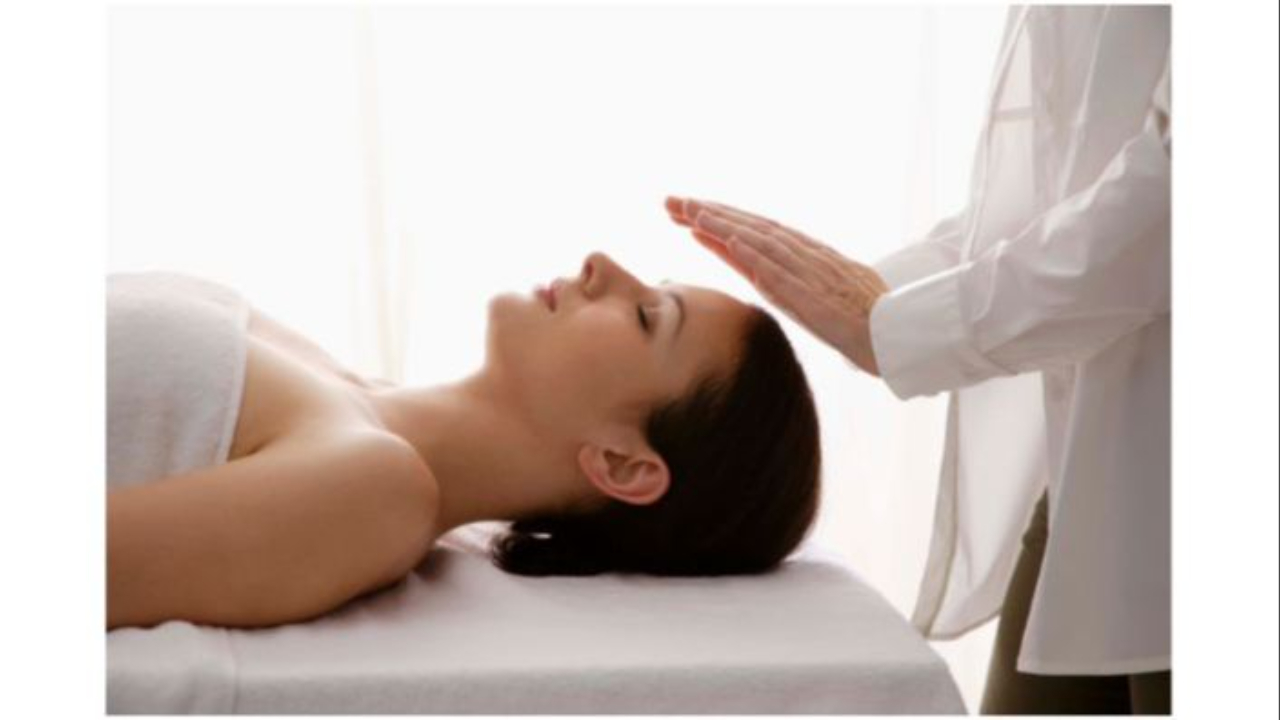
(176, 350)
(458, 636)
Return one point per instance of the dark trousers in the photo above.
(1010, 692)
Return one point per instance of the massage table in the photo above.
(459, 636)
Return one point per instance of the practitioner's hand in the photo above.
(814, 285)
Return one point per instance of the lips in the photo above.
(548, 295)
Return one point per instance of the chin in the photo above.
(508, 319)
(510, 307)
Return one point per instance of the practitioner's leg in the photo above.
(1149, 693)
(1011, 692)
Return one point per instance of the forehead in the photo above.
(712, 332)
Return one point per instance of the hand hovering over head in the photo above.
(816, 286)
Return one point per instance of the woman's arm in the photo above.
(282, 535)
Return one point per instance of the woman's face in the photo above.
(604, 347)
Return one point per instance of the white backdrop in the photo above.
(371, 177)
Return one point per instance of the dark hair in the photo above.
(744, 460)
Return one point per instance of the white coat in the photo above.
(1043, 307)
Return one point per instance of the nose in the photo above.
(601, 274)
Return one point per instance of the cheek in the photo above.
(568, 366)
(595, 358)
(611, 335)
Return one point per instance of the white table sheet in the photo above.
(460, 636)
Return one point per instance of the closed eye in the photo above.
(644, 319)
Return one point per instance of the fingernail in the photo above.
(675, 205)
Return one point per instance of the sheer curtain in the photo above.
(372, 176)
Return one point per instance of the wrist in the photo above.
(863, 352)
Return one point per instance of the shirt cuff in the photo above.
(921, 344)
(912, 263)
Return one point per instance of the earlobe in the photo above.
(640, 478)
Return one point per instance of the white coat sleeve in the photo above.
(1089, 270)
(935, 252)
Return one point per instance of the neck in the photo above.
(488, 461)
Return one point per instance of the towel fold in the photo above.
(176, 350)
(460, 637)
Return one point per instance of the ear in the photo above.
(631, 472)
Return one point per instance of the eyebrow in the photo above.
(680, 305)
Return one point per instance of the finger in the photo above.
(777, 285)
(775, 247)
(801, 304)
(684, 211)
(758, 222)
(799, 242)
(806, 297)
(714, 245)
(830, 264)
(826, 266)
(676, 209)
(764, 224)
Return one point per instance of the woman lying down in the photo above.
(619, 426)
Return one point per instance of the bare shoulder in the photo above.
(370, 455)
(390, 453)
(283, 534)
(411, 496)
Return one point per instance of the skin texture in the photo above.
(277, 536)
(829, 294)
(339, 486)
(554, 419)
